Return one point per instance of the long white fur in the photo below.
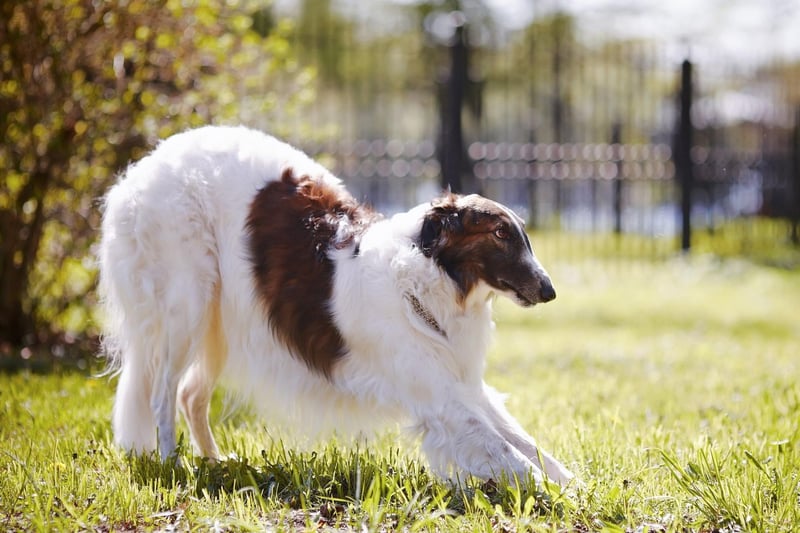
(181, 313)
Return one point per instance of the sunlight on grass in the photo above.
(669, 386)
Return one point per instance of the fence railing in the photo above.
(593, 187)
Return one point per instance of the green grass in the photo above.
(670, 387)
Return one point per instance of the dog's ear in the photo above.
(432, 227)
(442, 219)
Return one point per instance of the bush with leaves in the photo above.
(87, 86)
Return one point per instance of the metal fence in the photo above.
(582, 138)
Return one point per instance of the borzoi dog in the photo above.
(227, 254)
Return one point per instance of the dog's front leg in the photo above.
(511, 430)
(459, 435)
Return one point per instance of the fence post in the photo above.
(616, 139)
(794, 184)
(451, 101)
(532, 222)
(558, 99)
(683, 156)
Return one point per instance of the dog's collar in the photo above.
(425, 315)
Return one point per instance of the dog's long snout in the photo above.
(546, 291)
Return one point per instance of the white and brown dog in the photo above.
(227, 254)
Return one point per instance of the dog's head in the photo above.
(477, 240)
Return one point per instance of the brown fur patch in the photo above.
(292, 225)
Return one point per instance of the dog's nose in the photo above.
(546, 291)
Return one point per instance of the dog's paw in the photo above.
(560, 475)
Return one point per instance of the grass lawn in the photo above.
(670, 388)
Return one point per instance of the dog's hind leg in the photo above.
(163, 404)
(183, 347)
(133, 420)
(144, 407)
(194, 395)
(196, 387)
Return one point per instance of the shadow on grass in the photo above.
(338, 483)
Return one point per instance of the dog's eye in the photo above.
(501, 233)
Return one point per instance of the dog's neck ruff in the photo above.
(425, 315)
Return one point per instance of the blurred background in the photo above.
(636, 130)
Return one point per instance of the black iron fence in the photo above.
(603, 187)
(620, 138)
